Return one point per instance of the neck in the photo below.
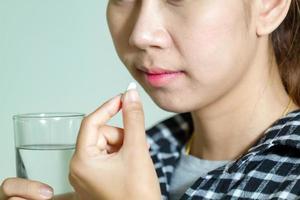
(228, 127)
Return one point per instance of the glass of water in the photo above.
(45, 143)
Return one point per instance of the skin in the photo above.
(224, 84)
(230, 84)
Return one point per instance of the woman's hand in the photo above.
(22, 189)
(112, 163)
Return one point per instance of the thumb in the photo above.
(133, 120)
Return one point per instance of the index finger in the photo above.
(88, 133)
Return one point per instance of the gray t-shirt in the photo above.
(187, 171)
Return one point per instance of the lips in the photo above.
(158, 77)
(156, 70)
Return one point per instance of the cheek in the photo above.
(119, 26)
(212, 45)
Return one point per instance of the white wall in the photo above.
(56, 56)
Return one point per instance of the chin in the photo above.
(173, 106)
(170, 101)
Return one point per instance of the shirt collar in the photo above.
(284, 131)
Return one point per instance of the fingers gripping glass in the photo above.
(44, 145)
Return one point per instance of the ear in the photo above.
(271, 14)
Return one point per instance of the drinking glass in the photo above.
(45, 143)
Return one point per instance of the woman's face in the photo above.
(185, 53)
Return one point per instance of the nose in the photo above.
(149, 30)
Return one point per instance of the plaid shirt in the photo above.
(269, 170)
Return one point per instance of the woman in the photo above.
(231, 68)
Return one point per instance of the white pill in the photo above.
(131, 86)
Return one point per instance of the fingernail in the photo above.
(132, 95)
(46, 192)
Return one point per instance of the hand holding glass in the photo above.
(45, 143)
